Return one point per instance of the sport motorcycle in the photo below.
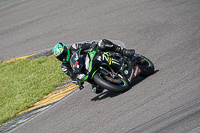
(109, 70)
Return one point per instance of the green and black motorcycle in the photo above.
(109, 70)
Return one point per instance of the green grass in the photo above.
(25, 82)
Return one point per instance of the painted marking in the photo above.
(54, 96)
(19, 58)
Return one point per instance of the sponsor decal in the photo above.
(106, 57)
(92, 54)
(134, 73)
(76, 63)
(115, 61)
(137, 71)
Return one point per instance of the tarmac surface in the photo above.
(165, 31)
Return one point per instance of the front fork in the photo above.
(104, 71)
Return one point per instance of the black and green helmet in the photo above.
(61, 52)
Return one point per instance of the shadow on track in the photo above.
(111, 94)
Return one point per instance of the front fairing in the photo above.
(77, 61)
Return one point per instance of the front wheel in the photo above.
(116, 85)
(146, 66)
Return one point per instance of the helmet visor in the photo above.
(62, 56)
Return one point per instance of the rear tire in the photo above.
(110, 86)
(147, 67)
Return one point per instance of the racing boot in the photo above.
(97, 89)
(124, 51)
(110, 46)
(128, 52)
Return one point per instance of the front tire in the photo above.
(98, 79)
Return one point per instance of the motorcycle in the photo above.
(109, 70)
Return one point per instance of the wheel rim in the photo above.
(115, 80)
(104, 83)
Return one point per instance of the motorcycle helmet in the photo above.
(61, 52)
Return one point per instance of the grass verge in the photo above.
(25, 82)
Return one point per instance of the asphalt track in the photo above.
(166, 31)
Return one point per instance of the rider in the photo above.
(63, 53)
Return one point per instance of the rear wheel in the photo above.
(146, 66)
(116, 85)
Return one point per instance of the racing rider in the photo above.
(63, 53)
